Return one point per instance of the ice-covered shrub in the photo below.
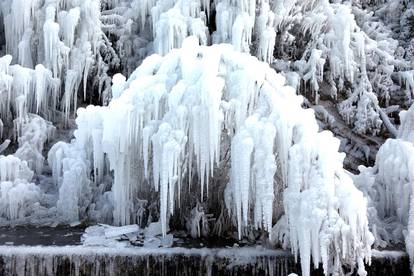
(176, 111)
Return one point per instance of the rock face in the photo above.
(78, 260)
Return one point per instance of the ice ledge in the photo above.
(236, 252)
(95, 260)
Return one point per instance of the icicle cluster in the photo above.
(347, 54)
(389, 185)
(35, 132)
(63, 37)
(341, 49)
(173, 26)
(18, 196)
(235, 21)
(25, 90)
(172, 126)
(176, 111)
(143, 27)
(71, 175)
(339, 42)
(321, 220)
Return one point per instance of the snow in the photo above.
(59, 37)
(361, 110)
(20, 196)
(25, 51)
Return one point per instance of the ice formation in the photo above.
(174, 25)
(126, 236)
(389, 186)
(346, 56)
(18, 194)
(177, 113)
(63, 37)
(72, 34)
(338, 50)
(211, 138)
(34, 133)
(80, 260)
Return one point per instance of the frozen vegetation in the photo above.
(280, 122)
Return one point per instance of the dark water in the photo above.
(62, 236)
(46, 236)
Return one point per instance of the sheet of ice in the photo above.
(126, 236)
(95, 236)
(113, 232)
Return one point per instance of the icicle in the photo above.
(313, 72)
(12, 168)
(118, 85)
(19, 197)
(71, 86)
(171, 29)
(241, 150)
(69, 22)
(242, 32)
(42, 78)
(19, 23)
(407, 78)
(1, 128)
(406, 130)
(266, 33)
(25, 50)
(51, 40)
